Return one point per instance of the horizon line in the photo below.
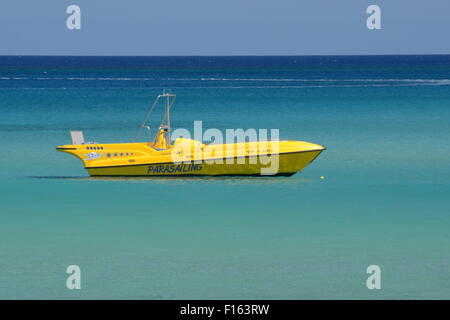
(244, 55)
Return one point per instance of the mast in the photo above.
(168, 117)
(165, 123)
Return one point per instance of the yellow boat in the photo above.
(188, 157)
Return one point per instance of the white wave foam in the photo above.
(363, 82)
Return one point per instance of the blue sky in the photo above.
(219, 27)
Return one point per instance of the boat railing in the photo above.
(169, 98)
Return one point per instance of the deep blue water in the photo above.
(384, 199)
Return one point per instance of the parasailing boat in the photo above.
(188, 157)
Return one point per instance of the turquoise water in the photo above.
(384, 199)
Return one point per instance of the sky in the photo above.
(219, 27)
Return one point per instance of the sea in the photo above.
(379, 195)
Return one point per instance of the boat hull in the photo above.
(284, 164)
